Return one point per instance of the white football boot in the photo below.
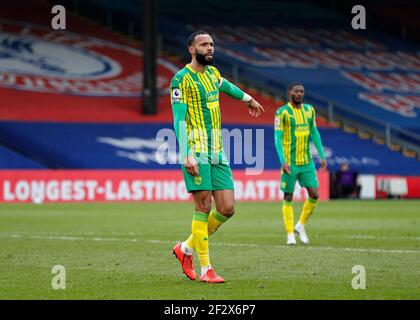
(291, 239)
(300, 230)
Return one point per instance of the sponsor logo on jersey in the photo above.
(212, 96)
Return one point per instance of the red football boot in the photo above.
(211, 277)
(186, 261)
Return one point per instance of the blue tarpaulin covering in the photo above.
(153, 146)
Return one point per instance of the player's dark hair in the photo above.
(292, 85)
(192, 37)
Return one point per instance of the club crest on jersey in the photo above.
(213, 78)
(197, 180)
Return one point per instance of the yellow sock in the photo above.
(190, 242)
(288, 216)
(200, 237)
(215, 221)
(307, 210)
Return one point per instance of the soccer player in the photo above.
(195, 104)
(294, 125)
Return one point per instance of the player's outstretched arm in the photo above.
(233, 91)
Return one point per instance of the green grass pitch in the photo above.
(124, 251)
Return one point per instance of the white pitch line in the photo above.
(380, 237)
(251, 245)
(301, 247)
(357, 236)
(71, 238)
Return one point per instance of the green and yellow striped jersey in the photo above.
(296, 124)
(200, 92)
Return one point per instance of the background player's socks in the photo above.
(288, 216)
(307, 210)
(201, 237)
(215, 221)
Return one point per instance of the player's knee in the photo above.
(203, 204)
(203, 207)
(227, 211)
(313, 194)
(288, 196)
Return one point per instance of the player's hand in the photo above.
(285, 167)
(191, 166)
(324, 165)
(254, 108)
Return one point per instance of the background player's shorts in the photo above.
(214, 173)
(306, 175)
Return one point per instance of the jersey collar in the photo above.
(193, 71)
(290, 105)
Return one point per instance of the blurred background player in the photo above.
(195, 105)
(294, 125)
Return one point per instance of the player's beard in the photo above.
(201, 59)
(296, 101)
